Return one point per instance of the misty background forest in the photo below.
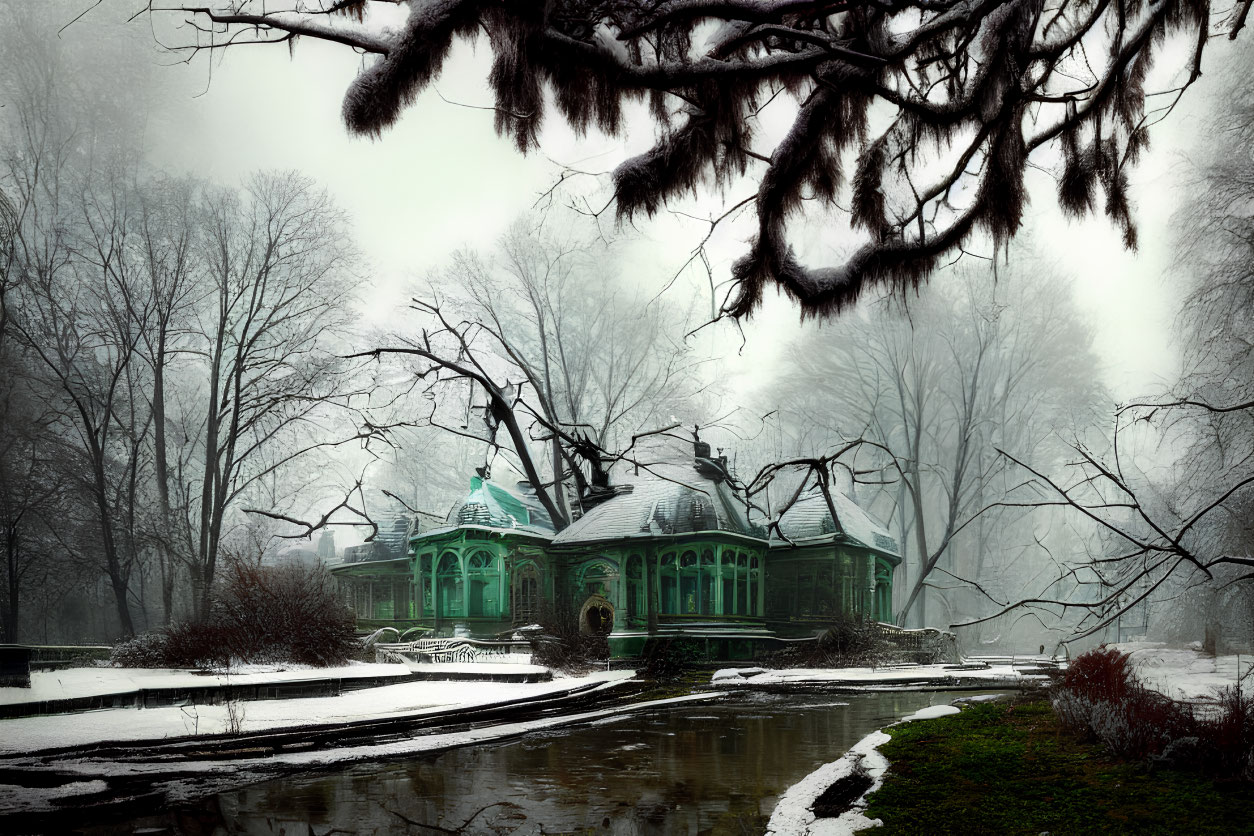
(219, 340)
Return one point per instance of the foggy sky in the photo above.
(441, 179)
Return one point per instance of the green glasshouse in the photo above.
(671, 552)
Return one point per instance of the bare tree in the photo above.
(80, 320)
(70, 316)
(167, 231)
(984, 83)
(596, 357)
(936, 384)
(1179, 539)
(171, 346)
(33, 485)
(280, 266)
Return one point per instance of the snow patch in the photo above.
(1183, 674)
(904, 676)
(736, 673)
(29, 734)
(793, 815)
(931, 712)
(32, 799)
(978, 698)
(72, 683)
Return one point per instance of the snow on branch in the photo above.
(972, 87)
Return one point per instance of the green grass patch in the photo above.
(1001, 768)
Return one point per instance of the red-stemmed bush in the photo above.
(1100, 674)
(1100, 696)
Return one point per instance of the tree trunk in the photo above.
(118, 580)
(165, 557)
(14, 589)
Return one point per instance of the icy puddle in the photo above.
(715, 769)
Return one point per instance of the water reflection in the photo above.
(698, 769)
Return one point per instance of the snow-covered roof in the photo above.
(494, 507)
(809, 518)
(671, 499)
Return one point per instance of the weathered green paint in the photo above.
(718, 585)
(461, 575)
(706, 576)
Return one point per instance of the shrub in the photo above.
(668, 658)
(564, 647)
(1100, 697)
(1232, 744)
(285, 614)
(147, 650)
(849, 642)
(1103, 673)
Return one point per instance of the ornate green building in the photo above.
(669, 552)
(825, 565)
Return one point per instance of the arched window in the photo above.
(525, 604)
(689, 590)
(826, 598)
(742, 584)
(599, 578)
(635, 587)
(706, 583)
(484, 591)
(755, 586)
(451, 601)
(848, 604)
(668, 584)
(426, 585)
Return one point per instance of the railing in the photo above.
(938, 645)
(456, 650)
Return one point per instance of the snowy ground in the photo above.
(31, 734)
(191, 777)
(1186, 674)
(913, 677)
(71, 683)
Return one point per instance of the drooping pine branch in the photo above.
(973, 88)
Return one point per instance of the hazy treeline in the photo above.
(169, 351)
(985, 359)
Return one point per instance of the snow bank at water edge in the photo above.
(794, 813)
(904, 677)
(71, 683)
(29, 734)
(187, 778)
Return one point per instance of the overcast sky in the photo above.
(441, 179)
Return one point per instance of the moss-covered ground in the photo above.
(1005, 768)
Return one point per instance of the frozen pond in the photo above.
(709, 769)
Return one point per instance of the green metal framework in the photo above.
(824, 582)
(704, 575)
(488, 578)
(467, 575)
